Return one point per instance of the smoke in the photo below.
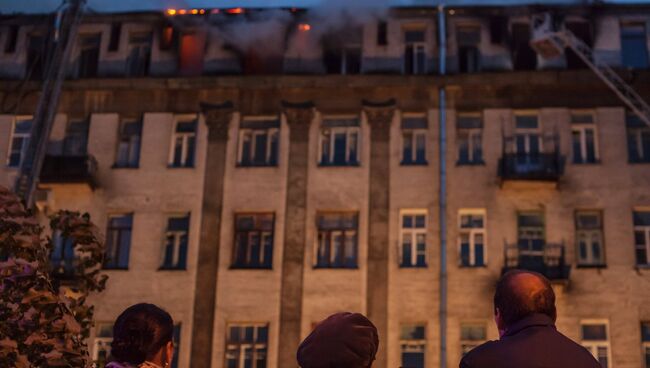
(262, 32)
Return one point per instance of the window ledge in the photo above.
(335, 268)
(247, 268)
(180, 167)
(172, 269)
(405, 163)
(116, 166)
(473, 266)
(477, 163)
(587, 164)
(409, 267)
(588, 266)
(356, 164)
(255, 166)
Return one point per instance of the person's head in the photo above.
(522, 293)
(343, 340)
(143, 332)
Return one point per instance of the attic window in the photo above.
(12, 38)
(114, 41)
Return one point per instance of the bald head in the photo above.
(522, 293)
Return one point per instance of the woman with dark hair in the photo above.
(142, 337)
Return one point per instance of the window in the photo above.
(137, 63)
(169, 37)
(634, 48)
(471, 238)
(253, 240)
(582, 30)
(530, 237)
(583, 138)
(75, 142)
(176, 240)
(528, 142)
(12, 39)
(413, 243)
(638, 139)
(343, 59)
(589, 238)
(177, 345)
(523, 56)
(339, 143)
(594, 339)
(471, 336)
(642, 237)
(184, 143)
(247, 345)
(382, 33)
(102, 343)
(19, 141)
(469, 135)
(258, 142)
(645, 341)
(89, 55)
(128, 145)
(415, 57)
(468, 39)
(414, 141)
(413, 346)
(337, 240)
(36, 54)
(118, 241)
(116, 34)
(62, 257)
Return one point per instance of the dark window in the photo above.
(382, 33)
(469, 135)
(259, 143)
(582, 30)
(498, 29)
(36, 53)
(413, 346)
(414, 147)
(89, 55)
(128, 146)
(642, 237)
(468, 39)
(184, 144)
(176, 242)
(634, 47)
(168, 38)
(337, 240)
(116, 33)
(247, 346)
(137, 63)
(340, 142)
(253, 241)
(118, 242)
(177, 345)
(638, 139)
(523, 56)
(415, 57)
(75, 142)
(62, 258)
(645, 338)
(343, 60)
(19, 142)
(12, 39)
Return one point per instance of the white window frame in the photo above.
(472, 232)
(348, 130)
(528, 131)
(185, 136)
(130, 144)
(414, 139)
(413, 345)
(581, 129)
(270, 132)
(414, 232)
(638, 133)
(177, 234)
(593, 345)
(590, 234)
(26, 138)
(254, 346)
(472, 343)
(418, 27)
(646, 230)
(471, 133)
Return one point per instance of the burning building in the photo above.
(256, 170)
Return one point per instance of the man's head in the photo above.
(522, 293)
(343, 340)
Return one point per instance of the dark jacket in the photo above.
(531, 342)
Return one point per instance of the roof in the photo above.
(119, 6)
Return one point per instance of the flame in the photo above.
(195, 11)
(235, 11)
(171, 11)
(182, 11)
(202, 11)
(304, 27)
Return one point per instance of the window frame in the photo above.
(473, 342)
(331, 233)
(472, 232)
(25, 143)
(413, 232)
(416, 47)
(178, 234)
(110, 216)
(527, 131)
(593, 345)
(645, 346)
(579, 262)
(143, 47)
(186, 136)
(254, 132)
(471, 133)
(415, 344)
(101, 340)
(234, 265)
(120, 135)
(637, 133)
(581, 129)
(646, 231)
(254, 345)
(333, 130)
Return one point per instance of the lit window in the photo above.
(472, 238)
(413, 346)
(583, 138)
(634, 48)
(469, 133)
(258, 143)
(645, 341)
(184, 143)
(337, 240)
(471, 336)
(19, 141)
(642, 237)
(176, 241)
(339, 143)
(415, 57)
(128, 146)
(102, 343)
(414, 141)
(638, 139)
(253, 240)
(247, 346)
(118, 241)
(413, 244)
(595, 339)
(589, 238)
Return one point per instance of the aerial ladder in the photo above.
(550, 39)
(66, 25)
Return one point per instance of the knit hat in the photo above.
(343, 340)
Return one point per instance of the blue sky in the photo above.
(46, 6)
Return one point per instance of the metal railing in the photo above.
(69, 169)
(549, 260)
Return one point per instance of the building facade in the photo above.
(253, 184)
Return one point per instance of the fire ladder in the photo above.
(550, 43)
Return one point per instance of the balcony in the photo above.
(544, 258)
(524, 160)
(69, 170)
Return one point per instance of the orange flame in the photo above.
(195, 11)
(171, 11)
(235, 11)
(182, 11)
(304, 27)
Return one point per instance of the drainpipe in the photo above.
(442, 196)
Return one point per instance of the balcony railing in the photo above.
(69, 169)
(527, 166)
(548, 260)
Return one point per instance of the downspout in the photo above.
(442, 195)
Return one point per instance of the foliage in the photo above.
(45, 321)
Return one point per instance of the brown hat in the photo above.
(343, 340)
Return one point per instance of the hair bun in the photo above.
(132, 348)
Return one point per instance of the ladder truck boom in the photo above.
(550, 43)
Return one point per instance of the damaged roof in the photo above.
(118, 6)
